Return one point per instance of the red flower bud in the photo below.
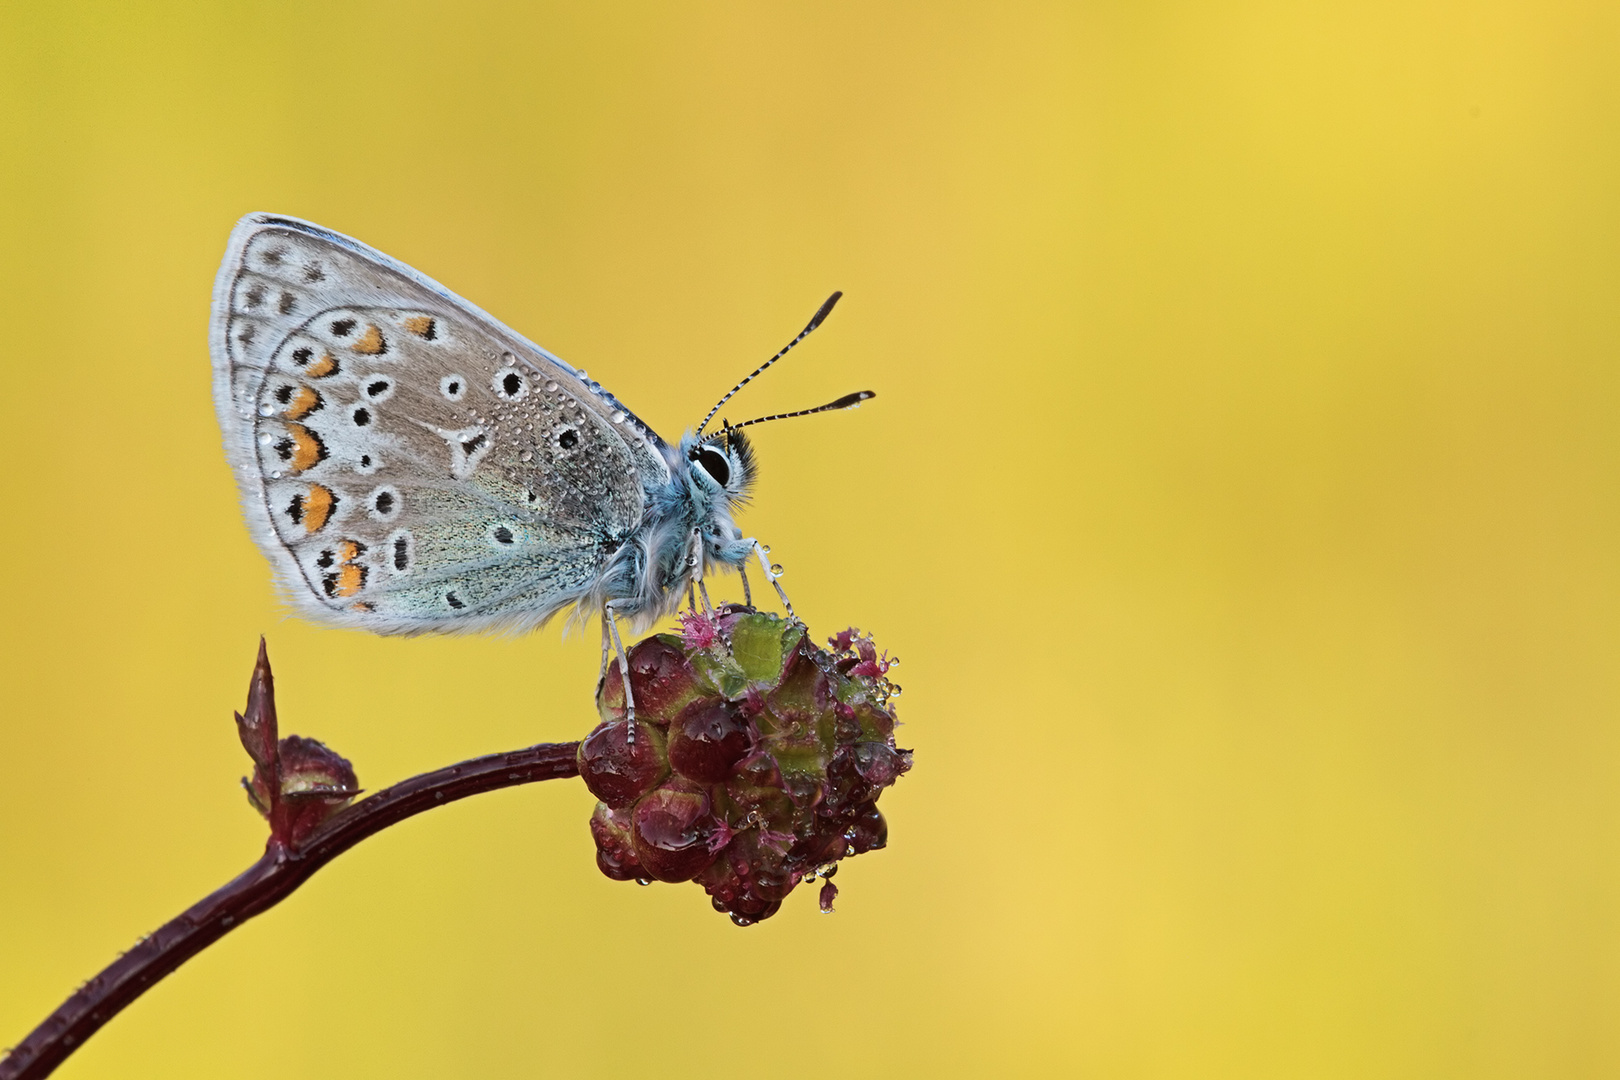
(297, 783)
(664, 683)
(672, 832)
(615, 853)
(707, 740)
(618, 771)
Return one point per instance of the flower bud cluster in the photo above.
(756, 759)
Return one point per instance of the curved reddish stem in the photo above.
(266, 883)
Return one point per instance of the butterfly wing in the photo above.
(406, 462)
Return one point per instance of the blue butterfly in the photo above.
(408, 464)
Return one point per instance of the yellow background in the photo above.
(1240, 496)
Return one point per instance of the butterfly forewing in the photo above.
(407, 462)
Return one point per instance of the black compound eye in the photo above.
(715, 464)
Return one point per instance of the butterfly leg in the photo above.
(772, 574)
(695, 569)
(748, 595)
(624, 668)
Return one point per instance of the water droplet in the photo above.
(276, 475)
(551, 387)
(894, 661)
(618, 417)
(895, 690)
(643, 881)
(265, 440)
(265, 410)
(527, 455)
(741, 920)
(776, 568)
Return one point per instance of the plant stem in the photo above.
(263, 885)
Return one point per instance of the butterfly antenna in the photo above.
(848, 401)
(815, 320)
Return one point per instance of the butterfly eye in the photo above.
(714, 463)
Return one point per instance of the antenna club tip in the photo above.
(849, 401)
(823, 311)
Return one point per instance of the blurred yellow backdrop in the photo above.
(1240, 496)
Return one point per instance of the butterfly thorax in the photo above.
(686, 530)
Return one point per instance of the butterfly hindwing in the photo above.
(407, 462)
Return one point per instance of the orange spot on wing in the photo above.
(349, 550)
(318, 506)
(307, 450)
(350, 578)
(304, 401)
(323, 367)
(362, 606)
(420, 325)
(371, 342)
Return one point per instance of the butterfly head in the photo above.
(720, 467)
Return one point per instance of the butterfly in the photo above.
(409, 465)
